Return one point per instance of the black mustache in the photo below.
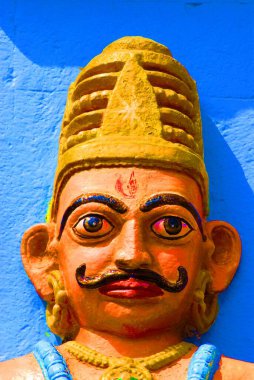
(139, 274)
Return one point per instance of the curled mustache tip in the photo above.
(139, 274)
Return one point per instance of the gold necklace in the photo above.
(125, 368)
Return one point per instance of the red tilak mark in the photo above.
(127, 190)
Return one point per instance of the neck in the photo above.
(113, 345)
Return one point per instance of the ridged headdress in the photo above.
(132, 105)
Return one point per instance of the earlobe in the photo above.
(39, 258)
(225, 255)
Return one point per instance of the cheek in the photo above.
(72, 255)
(188, 255)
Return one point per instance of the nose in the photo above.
(131, 252)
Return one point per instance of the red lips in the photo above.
(131, 288)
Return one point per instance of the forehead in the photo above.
(132, 185)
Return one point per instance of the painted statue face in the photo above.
(133, 222)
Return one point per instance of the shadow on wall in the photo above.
(59, 40)
(60, 33)
(231, 200)
(66, 35)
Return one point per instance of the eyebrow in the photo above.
(108, 200)
(173, 199)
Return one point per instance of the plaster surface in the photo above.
(42, 46)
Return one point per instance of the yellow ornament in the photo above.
(132, 105)
(125, 368)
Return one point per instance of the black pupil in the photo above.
(92, 223)
(173, 225)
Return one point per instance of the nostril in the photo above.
(132, 259)
(130, 264)
(126, 264)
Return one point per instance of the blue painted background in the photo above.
(42, 45)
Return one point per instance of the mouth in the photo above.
(131, 288)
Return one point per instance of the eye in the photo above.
(92, 226)
(171, 227)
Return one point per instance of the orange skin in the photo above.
(132, 243)
(134, 327)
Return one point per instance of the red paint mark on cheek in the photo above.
(127, 189)
(131, 331)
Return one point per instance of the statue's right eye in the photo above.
(92, 226)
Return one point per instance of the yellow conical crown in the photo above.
(132, 105)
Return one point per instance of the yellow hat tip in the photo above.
(137, 43)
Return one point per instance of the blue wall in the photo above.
(42, 45)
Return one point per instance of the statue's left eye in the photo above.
(92, 226)
(171, 227)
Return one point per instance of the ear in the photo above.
(225, 254)
(39, 257)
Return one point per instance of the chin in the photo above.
(133, 320)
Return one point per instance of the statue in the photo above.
(127, 262)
